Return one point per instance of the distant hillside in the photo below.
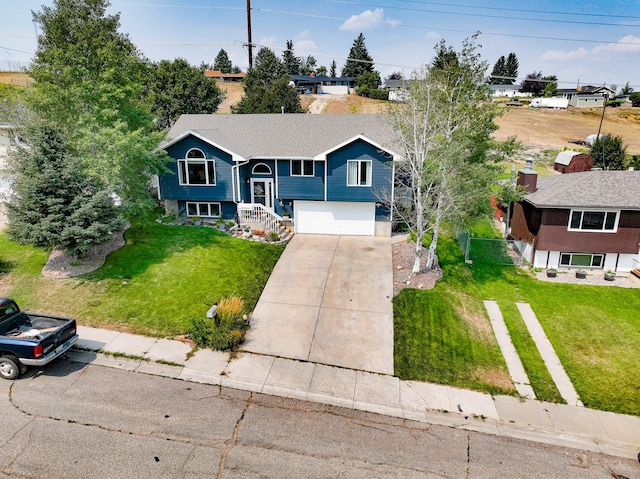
(15, 78)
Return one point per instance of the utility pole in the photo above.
(249, 43)
(604, 107)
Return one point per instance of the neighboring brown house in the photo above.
(587, 220)
(572, 162)
(227, 77)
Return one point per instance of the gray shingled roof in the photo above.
(589, 189)
(283, 136)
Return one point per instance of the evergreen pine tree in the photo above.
(499, 72)
(52, 202)
(511, 68)
(267, 88)
(222, 62)
(359, 60)
(333, 68)
(291, 62)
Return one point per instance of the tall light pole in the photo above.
(249, 43)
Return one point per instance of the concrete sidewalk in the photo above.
(556, 424)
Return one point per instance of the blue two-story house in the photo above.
(328, 173)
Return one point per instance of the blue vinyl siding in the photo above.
(300, 187)
(337, 189)
(170, 188)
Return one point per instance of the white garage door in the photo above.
(334, 218)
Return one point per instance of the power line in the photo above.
(422, 27)
(520, 10)
(200, 7)
(503, 17)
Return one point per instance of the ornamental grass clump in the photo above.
(227, 331)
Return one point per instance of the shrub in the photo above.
(229, 334)
(273, 236)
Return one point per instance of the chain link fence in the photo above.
(494, 250)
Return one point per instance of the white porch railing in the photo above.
(256, 213)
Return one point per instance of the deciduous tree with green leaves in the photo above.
(89, 84)
(533, 83)
(177, 88)
(609, 152)
(443, 136)
(266, 87)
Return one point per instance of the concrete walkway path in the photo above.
(549, 356)
(328, 301)
(514, 364)
(556, 424)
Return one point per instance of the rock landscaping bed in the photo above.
(403, 256)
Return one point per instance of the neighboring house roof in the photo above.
(319, 79)
(504, 87)
(565, 157)
(587, 90)
(589, 189)
(219, 74)
(281, 136)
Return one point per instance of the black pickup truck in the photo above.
(28, 339)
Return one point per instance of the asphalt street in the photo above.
(72, 420)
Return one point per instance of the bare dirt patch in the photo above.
(494, 377)
(557, 129)
(15, 78)
(234, 93)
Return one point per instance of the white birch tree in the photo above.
(443, 135)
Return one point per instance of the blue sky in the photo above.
(590, 42)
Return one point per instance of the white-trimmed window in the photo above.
(261, 169)
(195, 169)
(589, 220)
(359, 173)
(205, 210)
(301, 167)
(582, 260)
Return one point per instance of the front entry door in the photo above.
(262, 192)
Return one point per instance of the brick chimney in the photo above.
(527, 177)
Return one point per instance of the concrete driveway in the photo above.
(328, 301)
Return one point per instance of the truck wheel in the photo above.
(9, 367)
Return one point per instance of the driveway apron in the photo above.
(328, 301)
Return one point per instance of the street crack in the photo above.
(234, 438)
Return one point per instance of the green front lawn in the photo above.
(595, 331)
(163, 278)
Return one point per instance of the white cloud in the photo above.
(367, 20)
(305, 46)
(267, 41)
(560, 55)
(627, 44)
(432, 36)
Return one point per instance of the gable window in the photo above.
(261, 169)
(203, 209)
(359, 173)
(301, 167)
(195, 169)
(593, 221)
(582, 260)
